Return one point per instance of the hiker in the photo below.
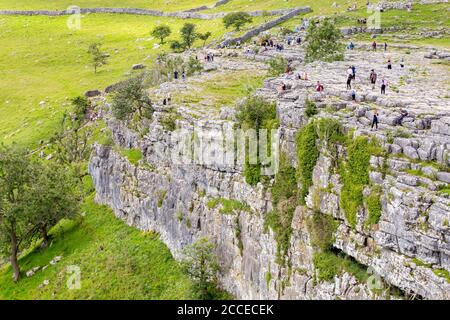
(350, 72)
(389, 66)
(385, 46)
(373, 78)
(183, 76)
(349, 81)
(288, 70)
(375, 120)
(319, 87)
(299, 40)
(353, 72)
(402, 63)
(351, 46)
(175, 75)
(305, 75)
(374, 46)
(282, 87)
(399, 120)
(164, 102)
(383, 86)
(353, 95)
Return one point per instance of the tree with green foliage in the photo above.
(237, 20)
(161, 32)
(131, 97)
(324, 42)
(201, 264)
(15, 229)
(80, 107)
(188, 35)
(98, 57)
(204, 37)
(71, 141)
(50, 197)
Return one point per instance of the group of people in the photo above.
(374, 46)
(176, 75)
(209, 57)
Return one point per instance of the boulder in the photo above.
(92, 93)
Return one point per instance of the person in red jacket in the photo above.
(319, 87)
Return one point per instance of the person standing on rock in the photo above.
(402, 63)
(353, 72)
(373, 78)
(375, 120)
(385, 46)
(389, 66)
(175, 75)
(374, 46)
(383, 86)
(305, 75)
(183, 76)
(353, 95)
(349, 81)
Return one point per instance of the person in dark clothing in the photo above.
(175, 75)
(373, 78)
(383, 86)
(354, 72)
(385, 46)
(353, 95)
(389, 66)
(375, 120)
(399, 119)
(349, 82)
(374, 46)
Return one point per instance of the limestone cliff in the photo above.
(407, 246)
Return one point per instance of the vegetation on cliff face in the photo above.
(284, 197)
(256, 114)
(354, 173)
(307, 155)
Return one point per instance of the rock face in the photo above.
(409, 247)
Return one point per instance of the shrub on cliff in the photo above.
(256, 113)
(201, 264)
(307, 155)
(277, 66)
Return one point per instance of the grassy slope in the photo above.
(42, 60)
(164, 5)
(320, 7)
(116, 261)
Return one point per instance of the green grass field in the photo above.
(163, 5)
(42, 60)
(116, 262)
